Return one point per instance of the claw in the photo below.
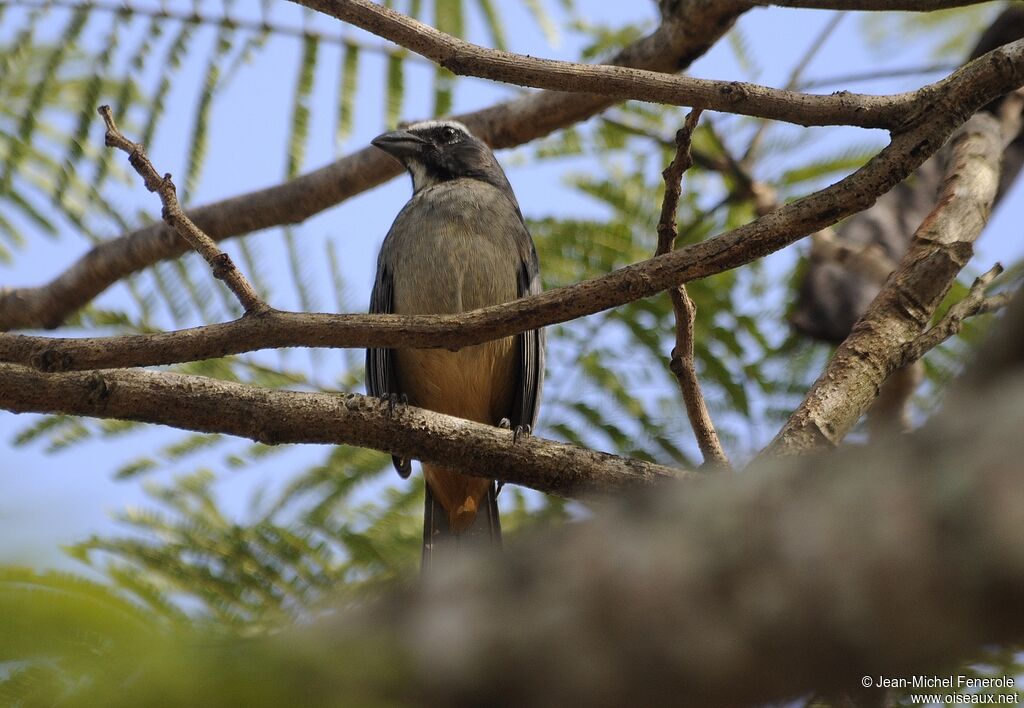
(521, 431)
(393, 400)
(518, 431)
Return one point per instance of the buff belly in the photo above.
(474, 383)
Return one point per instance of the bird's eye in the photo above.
(448, 134)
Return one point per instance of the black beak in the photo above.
(399, 143)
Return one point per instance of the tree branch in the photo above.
(223, 267)
(975, 303)
(683, 35)
(896, 113)
(745, 244)
(794, 580)
(1001, 354)
(940, 248)
(681, 361)
(873, 5)
(275, 417)
(831, 297)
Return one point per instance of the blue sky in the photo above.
(47, 500)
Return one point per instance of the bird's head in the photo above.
(436, 151)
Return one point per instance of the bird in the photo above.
(459, 243)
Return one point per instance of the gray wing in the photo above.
(531, 343)
(381, 379)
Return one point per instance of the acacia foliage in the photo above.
(338, 522)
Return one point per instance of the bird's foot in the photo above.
(517, 432)
(521, 431)
(393, 401)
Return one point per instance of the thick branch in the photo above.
(895, 113)
(223, 267)
(275, 417)
(747, 243)
(903, 559)
(683, 35)
(940, 248)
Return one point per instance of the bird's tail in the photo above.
(441, 543)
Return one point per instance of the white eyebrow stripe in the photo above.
(428, 124)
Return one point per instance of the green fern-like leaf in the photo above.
(448, 18)
(493, 24)
(300, 106)
(43, 88)
(543, 20)
(395, 89)
(91, 99)
(172, 62)
(198, 143)
(348, 83)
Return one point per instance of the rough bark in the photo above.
(276, 417)
(880, 340)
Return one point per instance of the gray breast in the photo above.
(452, 249)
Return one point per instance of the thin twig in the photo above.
(865, 76)
(975, 303)
(682, 363)
(673, 176)
(794, 78)
(221, 263)
(762, 195)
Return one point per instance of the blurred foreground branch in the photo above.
(801, 576)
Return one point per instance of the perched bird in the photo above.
(459, 244)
